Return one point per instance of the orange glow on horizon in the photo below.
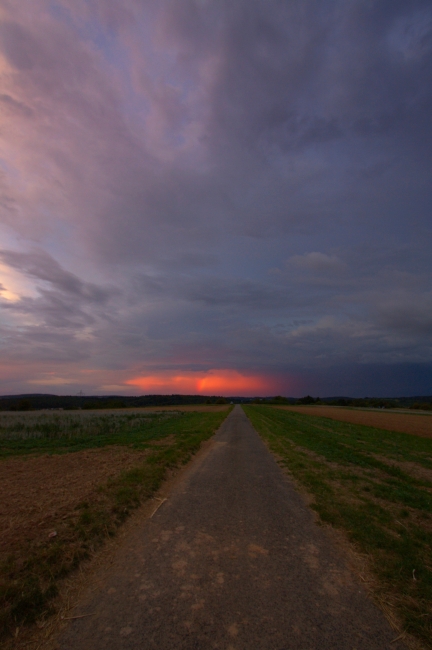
(223, 381)
(212, 382)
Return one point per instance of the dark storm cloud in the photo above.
(214, 291)
(248, 182)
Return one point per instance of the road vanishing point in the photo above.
(233, 560)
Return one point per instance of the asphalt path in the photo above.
(232, 560)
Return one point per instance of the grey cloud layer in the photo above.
(249, 183)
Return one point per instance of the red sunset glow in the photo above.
(220, 382)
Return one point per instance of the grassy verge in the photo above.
(29, 582)
(375, 485)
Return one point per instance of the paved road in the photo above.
(233, 560)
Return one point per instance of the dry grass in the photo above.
(39, 493)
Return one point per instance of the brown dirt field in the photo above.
(74, 586)
(38, 492)
(419, 425)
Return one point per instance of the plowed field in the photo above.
(37, 493)
(420, 425)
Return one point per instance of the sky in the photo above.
(216, 196)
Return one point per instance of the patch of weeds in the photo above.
(385, 511)
(42, 433)
(29, 582)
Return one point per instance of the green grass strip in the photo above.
(386, 511)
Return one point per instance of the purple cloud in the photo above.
(198, 185)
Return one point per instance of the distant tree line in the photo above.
(35, 402)
(73, 402)
(424, 406)
(423, 403)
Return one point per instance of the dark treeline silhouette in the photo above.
(34, 402)
(417, 402)
(424, 402)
